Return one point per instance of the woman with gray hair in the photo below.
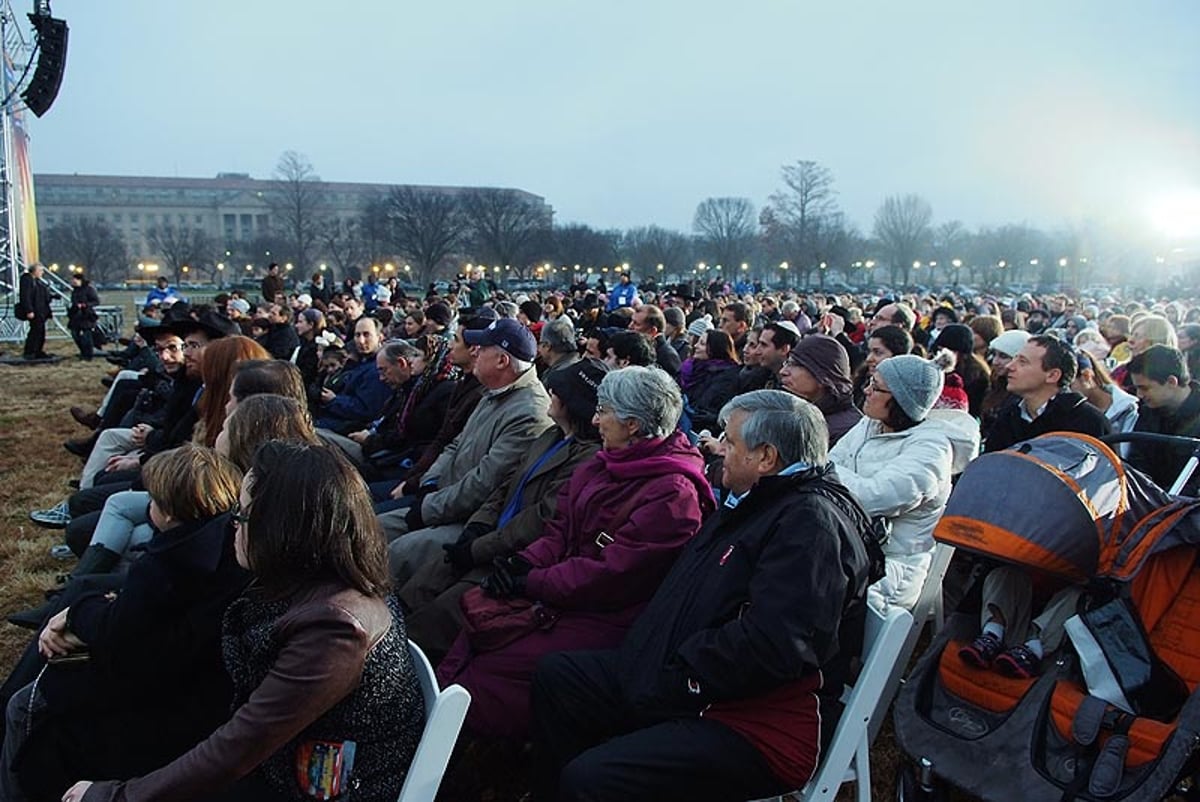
(626, 514)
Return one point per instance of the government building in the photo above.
(233, 208)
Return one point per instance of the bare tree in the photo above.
(375, 232)
(902, 229)
(834, 244)
(505, 227)
(298, 204)
(646, 248)
(950, 240)
(342, 243)
(89, 243)
(579, 244)
(181, 246)
(426, 226)
(726, 229)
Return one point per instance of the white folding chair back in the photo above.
(445, 711)
(848, 757)
(928, 609)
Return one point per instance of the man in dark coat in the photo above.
(33, 307)
(1170, 404)
(649, 321)
(1040, 374)
(727, 686)
(272, 284)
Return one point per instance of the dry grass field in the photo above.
(34, 470)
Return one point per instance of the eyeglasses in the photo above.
(173, 348)
(192, 345)
(238, 516)
(872, 387)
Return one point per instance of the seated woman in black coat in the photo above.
(317, 652)
(710, 378)
(101, 674)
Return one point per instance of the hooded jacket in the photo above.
(905, 476)
(622, 519)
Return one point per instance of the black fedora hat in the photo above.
(214, 324)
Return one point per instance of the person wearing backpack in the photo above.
(727, 685)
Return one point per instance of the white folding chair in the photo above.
(445, 711)
(848, 757)
(928, 609)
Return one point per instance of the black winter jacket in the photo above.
(1164, 463)
(764, 594)
(1066, 412)
(155, 684)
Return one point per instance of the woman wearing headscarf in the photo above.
(818, 370)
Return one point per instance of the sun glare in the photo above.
(1177, 214)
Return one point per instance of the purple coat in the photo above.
(650, 499)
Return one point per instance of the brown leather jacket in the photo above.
(324, 636)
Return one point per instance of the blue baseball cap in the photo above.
(505, 333)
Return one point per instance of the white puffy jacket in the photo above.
(905, 476)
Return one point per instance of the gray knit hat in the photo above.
(700, 326)
(914, 382)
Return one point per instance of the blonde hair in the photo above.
(1157, 329)
(191, 483)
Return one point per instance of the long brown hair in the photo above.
(261, 418)
(311, 521)
(217, 367)
(720, 346)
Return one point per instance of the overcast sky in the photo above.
(628, 113)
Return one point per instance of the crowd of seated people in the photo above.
(602, 515)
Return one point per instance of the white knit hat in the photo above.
(700, 326)
(1010, 342)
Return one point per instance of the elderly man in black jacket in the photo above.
(726, 688)
(33, 306)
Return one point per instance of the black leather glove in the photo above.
(508, 579)
(413, 518)
(459, 555)
(474, 531)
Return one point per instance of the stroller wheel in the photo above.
(911, 788)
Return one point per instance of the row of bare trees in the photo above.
(801, 226)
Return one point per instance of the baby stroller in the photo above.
(1115, 713)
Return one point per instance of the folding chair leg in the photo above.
(862, 769)
(939, 614)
